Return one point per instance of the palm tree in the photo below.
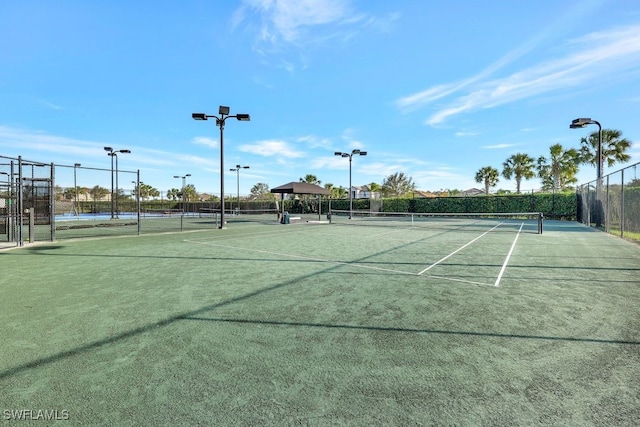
(336, 192)
(560, 169)
(173, 194)
(613, 148)
(519, 166)
(489, 176)
(190, 193)
(310, 179)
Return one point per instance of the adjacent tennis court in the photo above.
(364, 321)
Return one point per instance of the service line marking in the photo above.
(350, 264)
(506, 261)
(459, 249)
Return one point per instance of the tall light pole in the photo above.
(113, 153)
(224, 115)
(237, 170)
(355, 152)
(75, 186)
(579, 124)
(184, 184)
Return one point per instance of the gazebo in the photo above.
(299, 188)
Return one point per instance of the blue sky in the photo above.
(436, 90)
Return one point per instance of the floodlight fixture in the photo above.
(222, 110)
(243, 117)
(581, 122)
(199, 116)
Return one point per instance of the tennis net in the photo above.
(525, 221)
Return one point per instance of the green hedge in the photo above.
(559, 205)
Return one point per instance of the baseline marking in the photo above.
(506, 261)
(459, 249)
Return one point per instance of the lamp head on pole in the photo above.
(223, 110)
(243, 117)
(199, 116)
(581, 122)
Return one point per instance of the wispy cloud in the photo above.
(280, 25)
(271, 148)
(498, 146)
(44, 147)
(49, 105)
(599, 56)
(465, 134)
(206, 141)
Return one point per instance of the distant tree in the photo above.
(147, 191)
(613, 148)
(487, 176)
(560, 169)
(337, 192)
(397, 185)
(59, 192)
(190, 193)
(375, 187)
(310, 179)
(97, 192)
(70, 193)
(173, 194)
(260, 191)
(519, 166)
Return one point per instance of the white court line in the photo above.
(459, 249)
(355, 265)
(506, 261)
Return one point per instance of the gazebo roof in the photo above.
(300, 188)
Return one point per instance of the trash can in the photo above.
(285, 218)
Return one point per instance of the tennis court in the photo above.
(357, 322)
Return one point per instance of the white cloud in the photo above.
(596, 57)
(279, 25)
(203, 140)
(499, 146)
(464, 134)
(271, 148)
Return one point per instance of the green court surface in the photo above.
(486, 323)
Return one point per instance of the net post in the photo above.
(540, 219)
